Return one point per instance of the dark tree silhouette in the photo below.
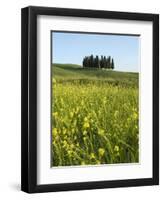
(96, 62)
(102, 62)
(108, 62)
(112, 64)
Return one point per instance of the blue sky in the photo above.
(73, 47)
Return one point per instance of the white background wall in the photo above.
(10, 85)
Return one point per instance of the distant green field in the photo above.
(95, 116)
(71, 72)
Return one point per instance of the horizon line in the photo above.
(94, 67)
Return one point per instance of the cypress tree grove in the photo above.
(96, 62)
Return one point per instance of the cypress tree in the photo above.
(88, 61)
(91, 61)
(96, 62)
(109, 62)
(112, 64)
(84, 62)
(105, 62)
(102, 62)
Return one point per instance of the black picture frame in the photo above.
(29, 99)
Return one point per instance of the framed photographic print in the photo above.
(90, 99)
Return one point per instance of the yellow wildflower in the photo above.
(55, 114)
(85, 119)
(73, 130)
(84, 132)
(64, 143)
(54, 81)
(71, 114)
(86, 125)
(69, 152)
(101, 151)
(116, 148)
(104, 100)
(77, 109)
(54, 131)
(82, 163)
(135, 115)
(101, 132)
(92, 156)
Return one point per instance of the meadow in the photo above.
(95, 116)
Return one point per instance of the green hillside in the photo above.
(72, 72)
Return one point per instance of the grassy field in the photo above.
(94, 116)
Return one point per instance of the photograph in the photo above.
(94, 98)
